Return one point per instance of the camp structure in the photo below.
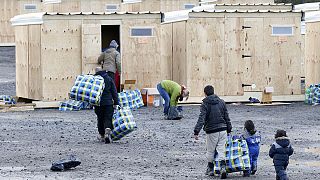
(236, 1)
(233, 50)
(312, 48)
(52, 49)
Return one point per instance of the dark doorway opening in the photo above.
(109, 33)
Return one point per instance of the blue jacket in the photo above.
(109, 95)
(253, 142)
(280, 151)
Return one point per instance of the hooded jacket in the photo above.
(109, 95)
(214, 116)
(111, 60)
(280, 151)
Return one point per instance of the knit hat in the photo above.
(113, 44)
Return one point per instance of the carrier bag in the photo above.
(123, 123)
(88, 88)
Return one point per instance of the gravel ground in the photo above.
(7, 71)
(158, 149)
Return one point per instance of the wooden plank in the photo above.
(232, 58)
(8, 10)
(17, 109)
(34, 64)
(22, 61)
(179, 66)
(91, 47)
(166, 51)
(46, 104)
(272, 104)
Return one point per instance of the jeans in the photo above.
(104, 114)
(215, 143)
(166, 97)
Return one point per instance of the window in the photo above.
(112, 7)
(282, 30)
(141, 32)
(30, 7)
(189, 6)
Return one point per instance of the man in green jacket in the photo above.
(171, 92)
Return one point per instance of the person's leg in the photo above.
(163, 93)
(108, 116)
(254, 162)
(211, 143)
(101, 127)
(112, 75)
(220, 148)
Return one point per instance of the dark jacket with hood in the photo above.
(280, 151)
(109, 95)
(213, 116)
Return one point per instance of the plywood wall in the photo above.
(252, 7)
(141, 56)
(60, 57)
(312, 53)
(159, 5)
(234, 49)
(8, 9)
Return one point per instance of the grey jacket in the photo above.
(213, 116)
(111, 60)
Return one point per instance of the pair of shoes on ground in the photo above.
(105, 138)
(223, 171)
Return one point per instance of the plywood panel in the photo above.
(312, 53)
(91, 47)
(179, 65)
(61, 61)
(205, 54)
(8, 9)
(283, 55)
(243, 1)
(232, 58)
(141, 55)
(34, 64)
(252, 7)
(254, 67)
(166, 51)
(22, 3)
(22, 56)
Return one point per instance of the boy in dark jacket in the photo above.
(104, 112)
(253, 141)
(214, 119)
(280, 152)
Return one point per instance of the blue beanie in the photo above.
(113, 44)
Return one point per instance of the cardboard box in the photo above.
(267, 95)
(129, 85)
(151, 97)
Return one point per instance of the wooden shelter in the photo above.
(236, 1)
(52, 49)
(235, 49)
(312, 48)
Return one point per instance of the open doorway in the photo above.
(109, 33)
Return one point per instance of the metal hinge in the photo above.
(246, 56)
(246, 27)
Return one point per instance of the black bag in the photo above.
(65, 164)
(173, 113)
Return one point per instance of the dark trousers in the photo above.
(111, 74)
(104, 114)
(281, 172)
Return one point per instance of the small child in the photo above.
(253, 141)
(280, 152)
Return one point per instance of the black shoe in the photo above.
(223, 171)
(254, 170)
(107, 140)
(209, 172)
(246, 174)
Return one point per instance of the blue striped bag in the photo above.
(123, 123)
(123, 100)
(131, 97)
(7, 99)
(236, 154)
(88, 88)
(138, 98)
(73, 105)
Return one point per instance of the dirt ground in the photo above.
(158, 149)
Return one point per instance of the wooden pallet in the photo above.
(16, 107)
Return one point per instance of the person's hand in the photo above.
(196, 137)
(115, 107)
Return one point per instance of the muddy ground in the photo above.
(159, 149)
